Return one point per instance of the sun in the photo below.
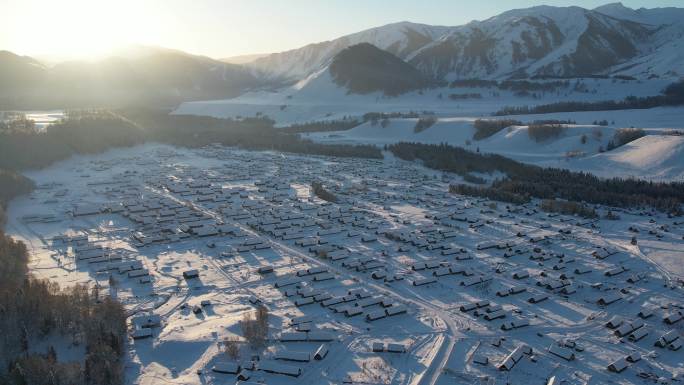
(78, 28)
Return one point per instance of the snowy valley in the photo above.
(498, 202)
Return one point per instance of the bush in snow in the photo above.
(624, 136)
(424, 123)
(542, 132)
(484, 128)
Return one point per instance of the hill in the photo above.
(158, 76)
(364, 68)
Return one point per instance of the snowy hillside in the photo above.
(400, 39)
(317, 97)
(653, 16)
(537, 45)
(138, 74)
(654, 156)
(665, 53)
(537, 41)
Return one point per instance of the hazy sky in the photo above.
(222, 28)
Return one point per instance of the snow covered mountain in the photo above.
(400, 39)
(664, 55)
(653, 16)
(539, 41)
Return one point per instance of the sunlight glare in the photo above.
(83, 29)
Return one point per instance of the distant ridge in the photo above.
(522, 43)
(148, 75)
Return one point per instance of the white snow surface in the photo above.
(389, 212)
(317, 98)
(408, 40)
(657, 156)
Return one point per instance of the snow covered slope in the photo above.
(537, 41)
(664, 54)
(318, 97)
(653, 16)
(401, 39)
(655, 156)
(514, 142)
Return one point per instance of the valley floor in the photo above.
(193, 240)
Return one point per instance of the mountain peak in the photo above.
(615, 10)
(615, 5)
(652, 16)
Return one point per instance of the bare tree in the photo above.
(262, 319)
(231, 347)
(255, 330)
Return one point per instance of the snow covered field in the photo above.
(192, 240)
(317, 98)
(657, 156)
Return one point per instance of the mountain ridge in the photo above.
(538, 41)
(160, 76)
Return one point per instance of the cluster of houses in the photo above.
(118, 263)
(505, 267)
(300, 288)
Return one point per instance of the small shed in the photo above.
(189, 274)
(278, 368)
(321, 352)
(562, 352)
(618, 365)
(226, 368)
(293, 356)
(141, 333)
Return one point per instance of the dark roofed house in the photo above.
(189, 274)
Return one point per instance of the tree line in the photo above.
(542, 132)
(484, 128)
(424, 123)
(18, 124)
(12, 184)
(33, 309)
(672, 95)
(252, 133)
(465, 96)
(511, 85)
(523, 181)
(99, 130)
(322, 126)
(321, 192)
(567, 208)
(624, 136)
(77, 133)
(489, 193)
(538, 130)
